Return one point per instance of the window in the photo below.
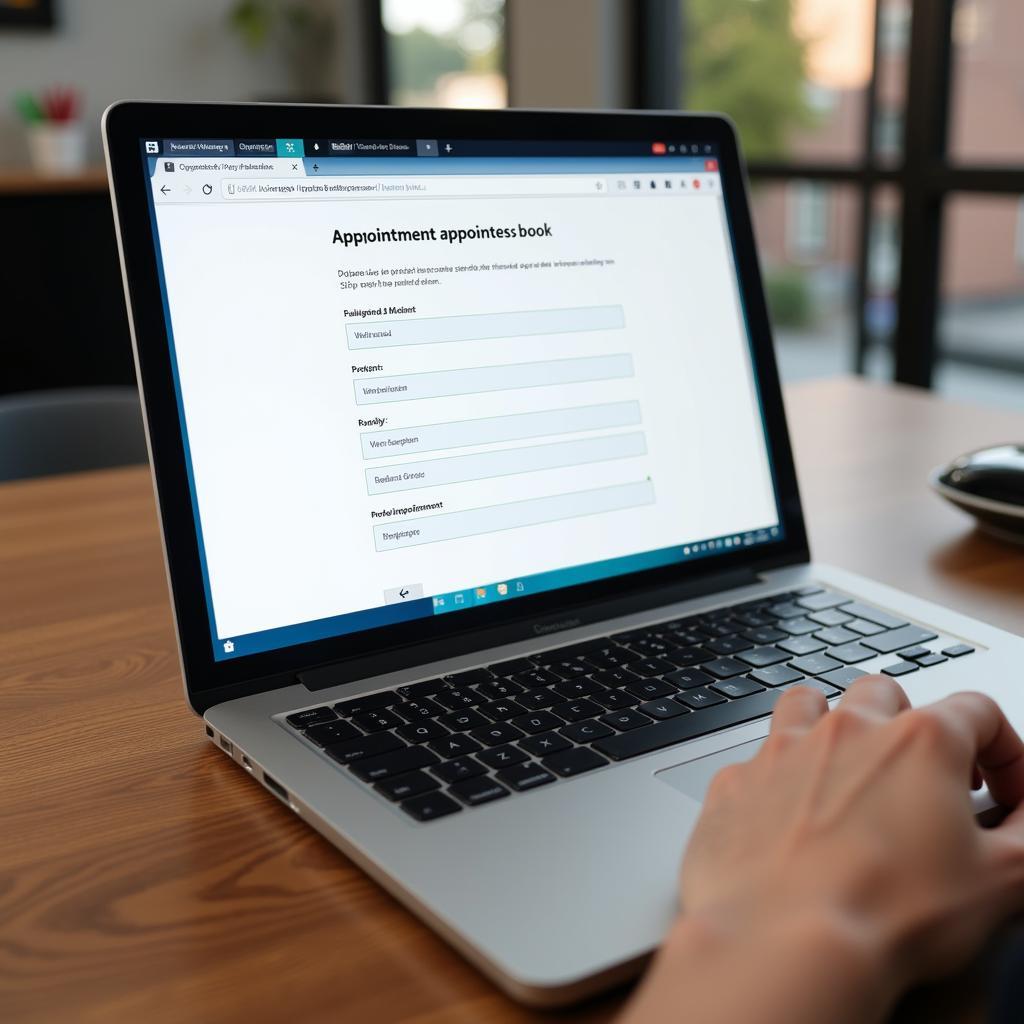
(807, 221)
(445, 53)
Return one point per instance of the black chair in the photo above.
(69, 430)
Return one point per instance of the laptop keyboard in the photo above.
(466, 739)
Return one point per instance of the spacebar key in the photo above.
(687, 727)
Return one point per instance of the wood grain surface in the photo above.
(144, 878)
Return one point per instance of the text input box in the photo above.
(483, 326)
(507, 462)
(475, 380)
(519, 426)
(495, 518)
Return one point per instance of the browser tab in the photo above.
(199, 147)
(255, 147)
(426, 147)
(289, 147)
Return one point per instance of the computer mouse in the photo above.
(988, 484)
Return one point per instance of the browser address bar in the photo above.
(410, 188)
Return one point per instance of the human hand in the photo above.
(849, 841)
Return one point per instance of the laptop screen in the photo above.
(420, 376)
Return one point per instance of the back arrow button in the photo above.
(165, 190)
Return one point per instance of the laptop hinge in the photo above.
(354, 669)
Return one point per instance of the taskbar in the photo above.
(506, 590)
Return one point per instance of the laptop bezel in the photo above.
(209, 681)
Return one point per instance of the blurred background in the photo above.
(885, 141)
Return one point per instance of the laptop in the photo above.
(480, 515)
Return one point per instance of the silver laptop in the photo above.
(480, 514)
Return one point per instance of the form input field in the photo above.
(460, 434)
(508, 462)
(494, 518)
(483, 326)
(475, 380)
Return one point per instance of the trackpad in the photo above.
(694, 777)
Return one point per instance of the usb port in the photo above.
(274, 786)
(227, 745)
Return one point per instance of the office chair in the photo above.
(69, 430)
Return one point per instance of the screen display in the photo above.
(421, 376)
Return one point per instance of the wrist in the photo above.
(792, 969)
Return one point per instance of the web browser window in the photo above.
(419, 376)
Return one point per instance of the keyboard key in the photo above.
(535, 677)
(430, 806)
(830, 617)
(820, 601)
(850, 654)
(459, 768)
(376, 721)
(864, 627)
(418, 708)
(569, 669)
(456, 698)
(454, 746)
(663, 708)
(420, 732)
(928, 660)
(913, 653)
(797, 626)
(426, 689)
(623, 720)
(585, 732)
(569, 689)
(469, 677)
(677, 730)
(401, 787)
(545, 743)
(649, 689)
(702, 697)
(574, 761)
(498, 689)
(842, 677)
(478, 791)
(615, 700)
(499, 732)
(864, 611)
(688, 678)
(537, 700)
(957, 650)
(364, 746)
(776, 675)
(737, 687)
(615, 658)
(311, 716)
(651, 667)
(396, 762)
(500, 710)
(802, 645)
(815, 664)
(900, 668)
(815, 684)
(326, 733)
(614, 678)
(687, 656)
(460, 721)
(525, 776)
(368, 702)
(511, 667)
(765, 635)
(503, 756)
(653, 646)
(577, 710)
(723, 668)
(729, 644)
(836, 635)
(785, 610)
(759, 657)
(537, 721)
(896, 639)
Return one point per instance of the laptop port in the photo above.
(209, 732)
(246, 763)
(226, 745)
(274, 786)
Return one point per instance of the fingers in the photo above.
(797, 710)
(993, 744)
(878, 695)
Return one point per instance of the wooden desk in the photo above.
(142, 877)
